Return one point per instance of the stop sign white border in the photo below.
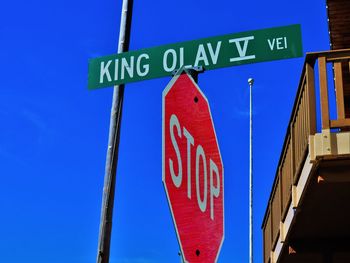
(165, 92)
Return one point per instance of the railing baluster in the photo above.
(305, 134)
(310, 82)
(339, 88)
(292, 152)
(307, 110)
(281, 191)
(322, 67)
(302, 123)
(297, 135)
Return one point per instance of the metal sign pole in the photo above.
(113, 144)
(250, 82)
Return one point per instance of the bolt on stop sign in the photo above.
(192, 170)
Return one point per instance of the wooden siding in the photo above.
(339, 32)
(339, 23)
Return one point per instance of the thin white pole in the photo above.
(250, 82)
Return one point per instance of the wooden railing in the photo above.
(302, 124)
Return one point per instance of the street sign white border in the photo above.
(165, 92)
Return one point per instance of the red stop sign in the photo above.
(192, 170)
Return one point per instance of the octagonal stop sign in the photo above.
(192, 170)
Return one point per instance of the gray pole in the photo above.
(104, 240)
(250, 82)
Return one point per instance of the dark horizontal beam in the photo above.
(319, 245)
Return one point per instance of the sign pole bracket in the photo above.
(193, 71)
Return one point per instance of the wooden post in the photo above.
(280, 194)
(339, 89)
(322, 67)
(292, 153)
(310, 82)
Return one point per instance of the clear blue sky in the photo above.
(54, 132)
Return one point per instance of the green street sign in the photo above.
(211, 53)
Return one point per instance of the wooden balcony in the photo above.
(312, 156)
